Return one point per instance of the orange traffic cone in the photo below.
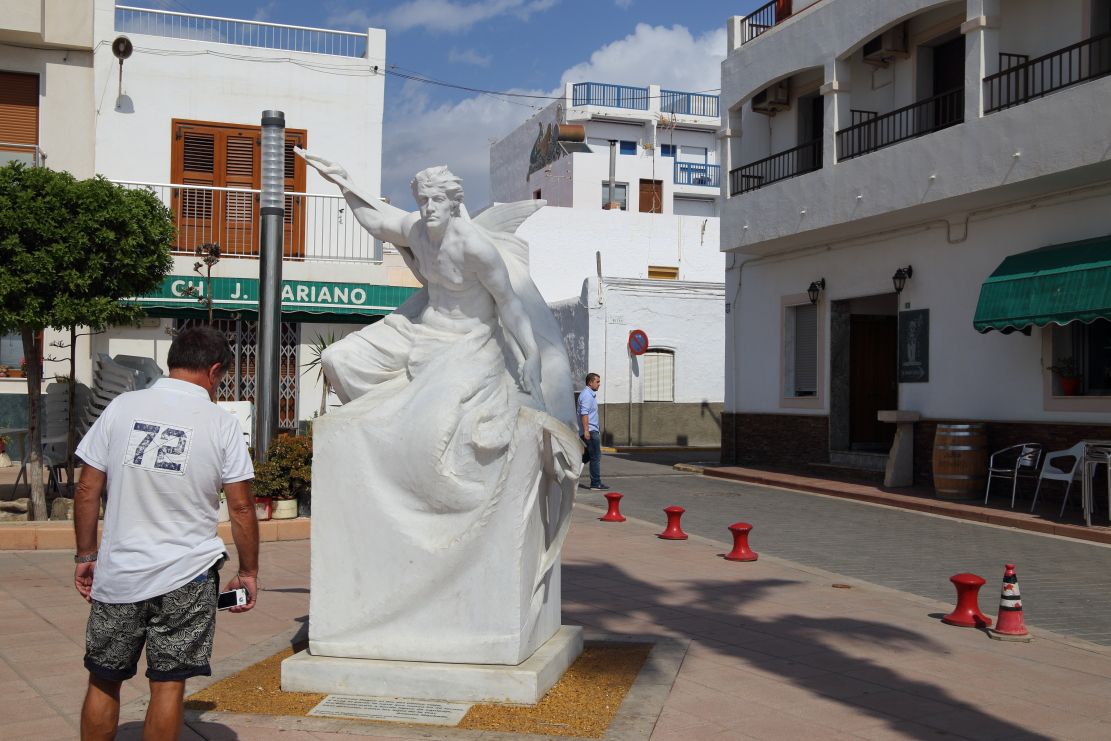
(1010, 626)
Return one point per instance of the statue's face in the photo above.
(435, 206)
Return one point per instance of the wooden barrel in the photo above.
(960, 460)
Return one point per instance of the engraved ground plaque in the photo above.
(394, 709)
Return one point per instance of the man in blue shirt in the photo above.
(588, 420)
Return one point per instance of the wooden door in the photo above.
(293, 243)
(651, 196)
(237, 223)
(782, 10)
(873, 361)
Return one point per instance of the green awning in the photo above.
(305, 301)
(1053, 285)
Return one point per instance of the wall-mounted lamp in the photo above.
(900, 278)
(816, 288)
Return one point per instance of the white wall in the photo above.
(686, 318)
(563, 243)
(972, 376)
(509, 163)
(175, 78)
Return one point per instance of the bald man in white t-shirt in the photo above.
(164, 454)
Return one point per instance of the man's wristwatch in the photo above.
(87, 558)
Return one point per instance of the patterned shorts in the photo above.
(177, 629)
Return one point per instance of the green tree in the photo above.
(70, 250)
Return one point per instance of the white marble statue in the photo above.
(442, 488)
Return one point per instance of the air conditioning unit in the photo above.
(891, 44)
(773, 99)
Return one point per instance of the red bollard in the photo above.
(673, 531)
(741, 551)
(967, 612)
(613, 514)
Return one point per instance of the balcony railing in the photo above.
(918, 119)
(695, 173)
(26, 153)
(612, 96)
(689, 104)
(1025, 81)
(791, 163)
(242, 33)
(318, 228)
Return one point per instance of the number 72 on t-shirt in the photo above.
(158, 447)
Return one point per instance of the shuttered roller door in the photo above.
(19, 111)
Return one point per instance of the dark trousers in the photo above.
(594, 445)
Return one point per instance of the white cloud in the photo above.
(469, 56)
(623, 4)
(441, 16)
(420, 133)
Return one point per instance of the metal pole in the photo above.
(270, 280)
(612, 204)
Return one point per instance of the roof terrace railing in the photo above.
(757, 22)
(612, 96)
(689, 104)
(239, 32)
(1030, 79)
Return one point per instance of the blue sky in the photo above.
(513, 45)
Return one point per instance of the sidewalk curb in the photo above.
(875, 495)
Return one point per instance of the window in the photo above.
(627, 147)
(659, 375)
(19, 117)
(659, 272)
(213, 157)
(11, 349)
(801, 351)
(620, 194)
(667, 150)
(1082, 359)
(698, 155)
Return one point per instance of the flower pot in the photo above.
(1070, 385)
(284, 509)
(263, 507)
(222, 513)
(15, 373)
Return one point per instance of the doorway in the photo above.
(651, 196)
(811, 128)
(873, 342)
(863, 372)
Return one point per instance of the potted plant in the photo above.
(286, 475)
(1068, 375)
(20, 371)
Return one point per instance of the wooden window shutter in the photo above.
(293, 244)
(19, 109)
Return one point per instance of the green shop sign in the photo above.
(300, 298)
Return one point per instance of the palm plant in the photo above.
(316, 354)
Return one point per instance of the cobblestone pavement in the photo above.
(1066, 584)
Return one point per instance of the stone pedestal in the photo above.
(524, 683)
(900, 461)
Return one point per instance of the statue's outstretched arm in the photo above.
(386, 222)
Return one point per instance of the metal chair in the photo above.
(1051, 470)
(1012, 463)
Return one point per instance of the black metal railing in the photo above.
(791, 163)
(1080, 62)
(757, 22)
(918, 119)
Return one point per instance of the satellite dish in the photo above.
(122, 48)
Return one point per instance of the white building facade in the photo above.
(885, 159)
(181, 117)
(651, 263)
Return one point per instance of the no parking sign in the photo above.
(638, 342)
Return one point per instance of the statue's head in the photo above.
(435, 183)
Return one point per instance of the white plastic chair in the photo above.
(1012, 463)
(1051, 470)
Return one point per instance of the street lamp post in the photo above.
(270, 284)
